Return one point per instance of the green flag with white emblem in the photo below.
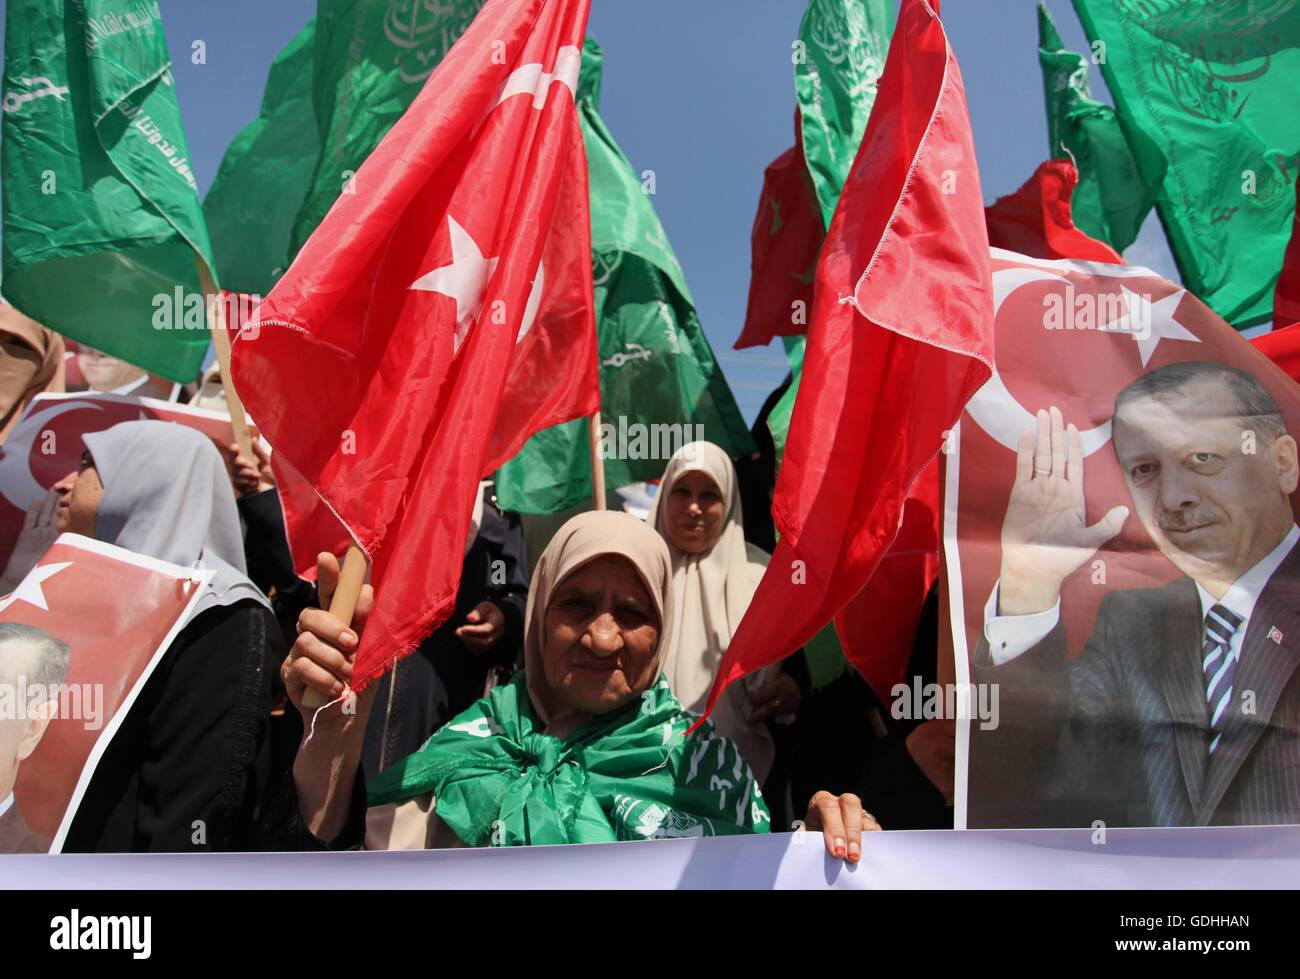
(660, 385)
(102, 219)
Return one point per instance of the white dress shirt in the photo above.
(1010, 635)
(6, 803)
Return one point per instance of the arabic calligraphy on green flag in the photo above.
(102, 220)
(369, 62)
(1206, 93)
(837, 61)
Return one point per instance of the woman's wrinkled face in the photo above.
(695, 512)
(601, 634)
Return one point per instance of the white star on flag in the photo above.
(531, 80)
(1158, 319)
(464, 280)
(29, 589)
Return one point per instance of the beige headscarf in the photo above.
(31, 363)
(712, 590)
(585, 538)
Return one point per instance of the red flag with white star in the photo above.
(440, 314)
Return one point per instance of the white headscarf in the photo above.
(167, 495)
(712, 590)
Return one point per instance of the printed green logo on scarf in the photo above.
(630, 775)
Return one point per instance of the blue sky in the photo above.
(701, 92)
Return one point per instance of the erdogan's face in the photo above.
(104, 373)
(19, 736)
(1213, 498)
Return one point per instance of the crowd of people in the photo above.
(552, 706)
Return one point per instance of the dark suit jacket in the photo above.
(1120, 732)
(15, 837)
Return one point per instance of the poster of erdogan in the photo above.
(1122, 567)
(79, 639)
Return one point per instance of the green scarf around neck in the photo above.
(497, 780)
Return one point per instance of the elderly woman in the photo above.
(715, 573)
(586, 745)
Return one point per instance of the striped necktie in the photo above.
(1219, 666)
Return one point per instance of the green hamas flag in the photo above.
(371, 59)
(1206, 93)
(1111, 200)
(101, 210)
(837, 62)
(258, 191)
(659, 383)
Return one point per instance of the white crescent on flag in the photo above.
(993, 406)
(532, 80)
(19, 486)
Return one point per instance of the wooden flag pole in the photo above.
(221, 342)
(597, 463)
(343, 605)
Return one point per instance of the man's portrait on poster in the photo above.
(1183, 707)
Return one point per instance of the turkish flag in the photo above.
(118, 612)
(1036, 219)
(440, 314)
(900, 338)
(47, 444)
(785, 242)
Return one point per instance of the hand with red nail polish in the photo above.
(842, 821)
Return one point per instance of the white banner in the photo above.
(1220, 857)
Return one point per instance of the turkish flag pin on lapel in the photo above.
(1275, 634)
